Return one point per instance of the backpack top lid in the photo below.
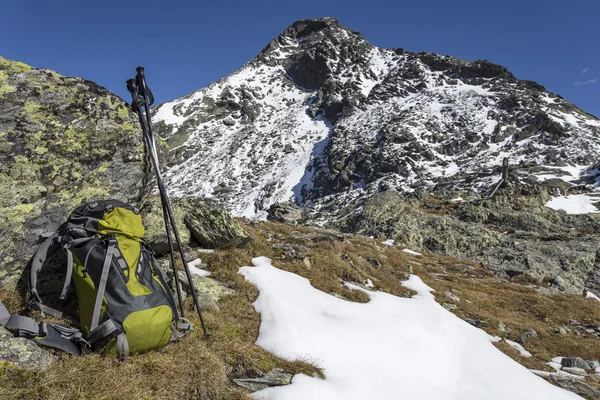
(107, 216)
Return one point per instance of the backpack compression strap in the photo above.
(51, 334)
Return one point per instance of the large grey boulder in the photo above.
(287, 212)
(200, 222)
(575, 362)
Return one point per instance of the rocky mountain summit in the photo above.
(321, 114)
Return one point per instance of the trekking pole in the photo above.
(142, 97)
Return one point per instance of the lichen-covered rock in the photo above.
(199, 222)
(62, 140)
(527, 336)
(211, 226)
(575, 362)
(23, 353)
(209, 290)
(285, 212)
(154, 224)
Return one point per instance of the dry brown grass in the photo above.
(520, 307)
(200, 369)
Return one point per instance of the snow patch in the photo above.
(414, 253)
(389, 348)
(193, 267)
(591, 295)
(518, 347)
(574, 204)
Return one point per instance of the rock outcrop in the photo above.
(62, 140)
(200, 222)
(512, 233)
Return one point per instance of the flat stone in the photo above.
(561, 331)
(527, 336)
(575, 371)
(575, 362)
(452, 296)
(450, 307)
(274, 378)
(477, 323)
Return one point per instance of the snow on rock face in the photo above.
(389, 348)
(321, 113)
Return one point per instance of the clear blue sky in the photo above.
(186, 45)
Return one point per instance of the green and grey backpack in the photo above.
(125, 303)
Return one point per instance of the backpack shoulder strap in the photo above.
(50, 245)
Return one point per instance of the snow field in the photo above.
(389, 348)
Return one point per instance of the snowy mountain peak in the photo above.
(321, 113)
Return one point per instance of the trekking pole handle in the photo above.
(141, 78)
(144, 90)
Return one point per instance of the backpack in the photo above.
(125, 303)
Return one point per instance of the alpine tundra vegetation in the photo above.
(342, 211)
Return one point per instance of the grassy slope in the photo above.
(196, 368)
